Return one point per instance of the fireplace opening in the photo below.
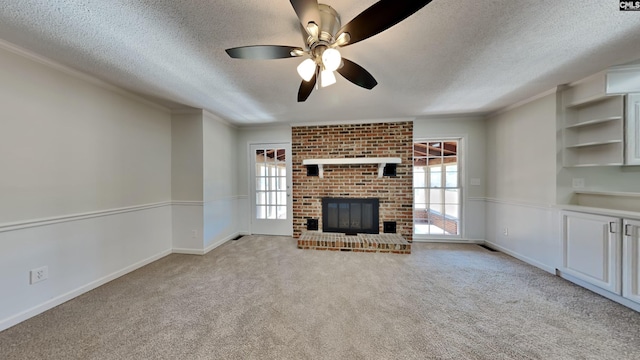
(350, 215)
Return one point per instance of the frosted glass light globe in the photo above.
(327, 78)
(331, 59)
(307, 69)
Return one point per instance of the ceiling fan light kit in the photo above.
(321, 27)
(307, 69)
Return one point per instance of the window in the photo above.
(271, 184)
(436, 187)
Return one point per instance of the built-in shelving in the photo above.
(593, 122)
(594, 143)
(609, 200)
(593, 126)
(380, 161)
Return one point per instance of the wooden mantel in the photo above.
(353, 161)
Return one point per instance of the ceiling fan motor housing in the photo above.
(328, 27)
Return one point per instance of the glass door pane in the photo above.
(436, 182)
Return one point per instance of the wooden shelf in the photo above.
(592, 125)
(608, 193)
(592, 165)
(593, 122)
(381, 162)
(594, 143)
(588, 101)
(352, 161)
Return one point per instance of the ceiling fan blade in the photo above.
(264, 52)
(379, 17)
(306, 88)
(307, 11)
(357, 74)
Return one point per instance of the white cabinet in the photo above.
(632, 151)
(603, 251)
(631, 272)
(592, 249)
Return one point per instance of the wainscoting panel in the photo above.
(81, 252)
(220, 222)
(529, 232)
(188, 227)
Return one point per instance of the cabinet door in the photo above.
(631, 252)
(632, 137)
(592, 250)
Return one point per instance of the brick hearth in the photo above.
(354, 181)
(382, 243)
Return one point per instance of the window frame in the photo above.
(460, 161)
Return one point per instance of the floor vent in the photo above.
(238, 237)
(488, 248)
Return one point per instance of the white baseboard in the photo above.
(526, 259)
(449, 241)
(210, 247)
(614, 297)
(18, 318)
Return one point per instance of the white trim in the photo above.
(520, 203)
(528, 260)
(264, 126)
(381, 162)
(352, 122)
(210, 247)
(454, 116)
(522, 103)
(609, 295)
(351, 161)
(187, 111)
(214, 117)
(25, 224)
(600, 211)
(38, 309)
(18, 225)
(77, 74)
(447, 240)
(608, 193)
(187, 203)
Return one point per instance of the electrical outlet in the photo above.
(39, 274)
(578, 183)
(505, 231)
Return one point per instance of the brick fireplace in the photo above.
(395, 193)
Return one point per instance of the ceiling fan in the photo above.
(323, 36)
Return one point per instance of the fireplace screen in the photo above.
(350, 216)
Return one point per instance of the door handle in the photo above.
(611, 225)
(627, 231)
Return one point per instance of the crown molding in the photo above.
(521, 103)
(12, 48)
(353, 122)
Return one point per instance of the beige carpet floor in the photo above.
(262, 298)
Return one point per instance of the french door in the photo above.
(270, 187)
(437, 188)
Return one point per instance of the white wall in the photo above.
(187, 156)
(246, 137)
(521, 183)
(472, 131)
(187, 181)
(85, 185)
(220, 181)
(68, 146)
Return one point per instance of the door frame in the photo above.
(270, 227)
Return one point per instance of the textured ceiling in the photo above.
(451, 57)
